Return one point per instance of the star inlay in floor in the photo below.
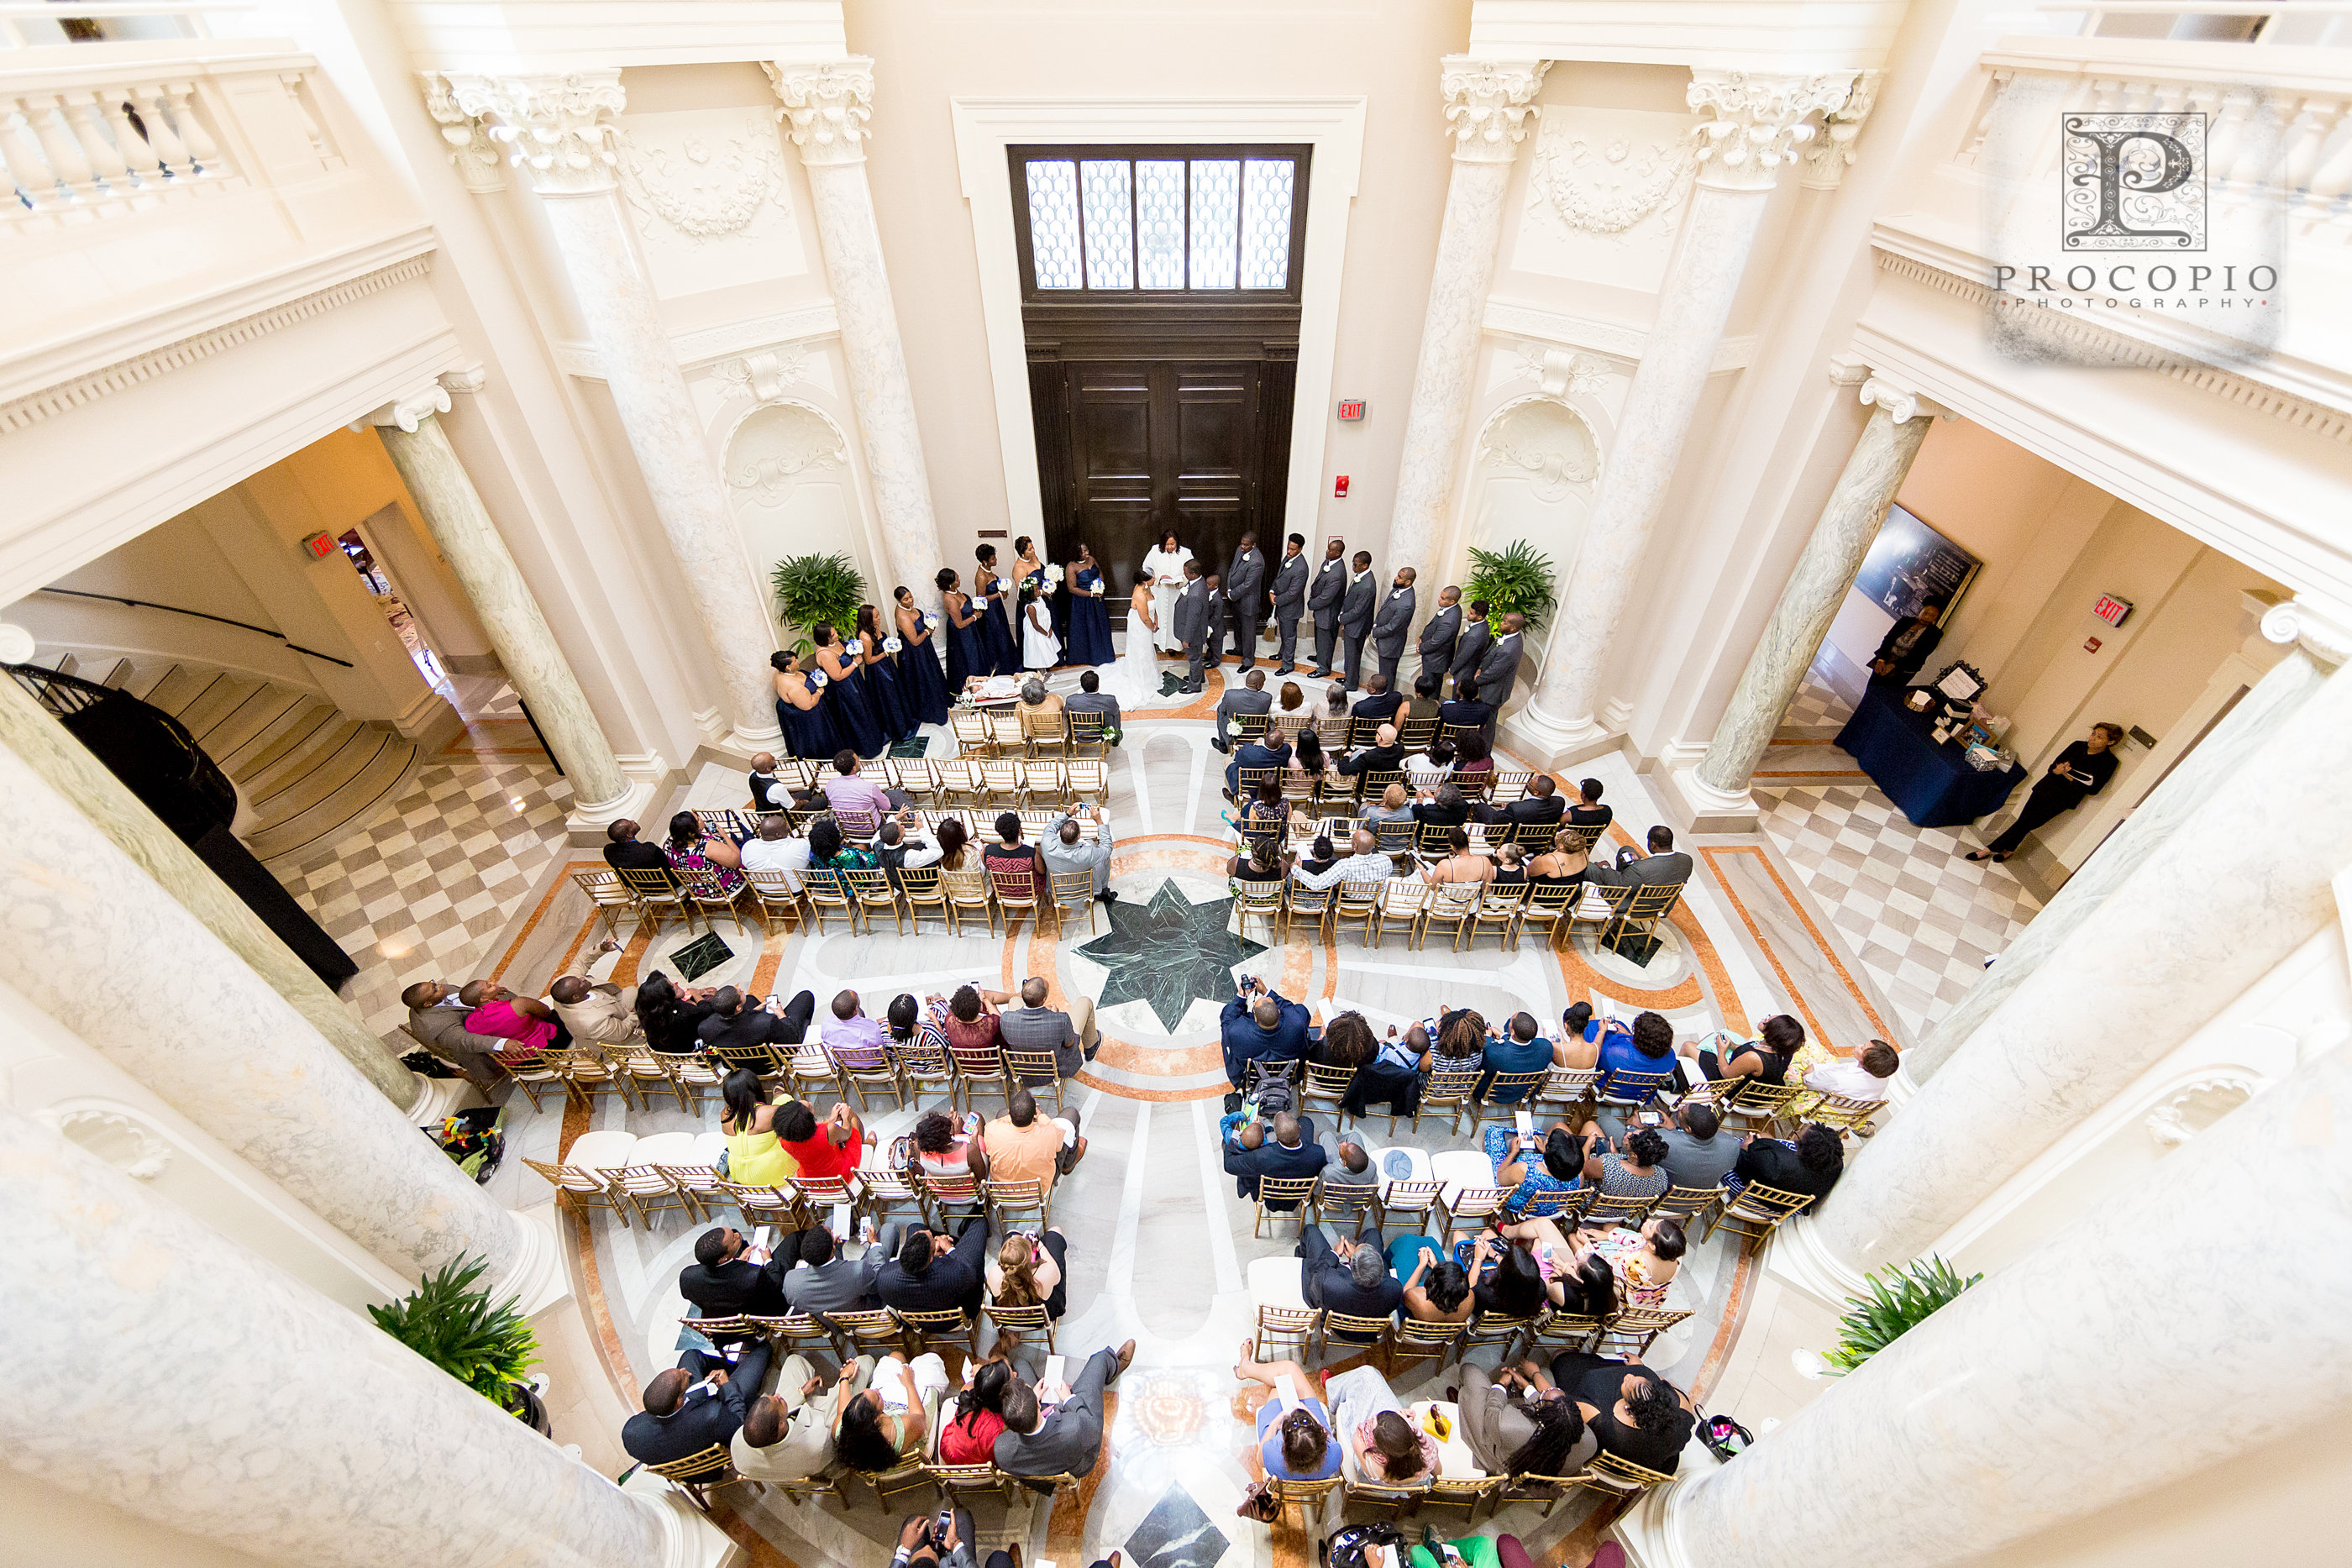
(1168, 952)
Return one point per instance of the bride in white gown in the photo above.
(1134, 678)
(1164, 562)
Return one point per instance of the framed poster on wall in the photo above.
(1910, 563)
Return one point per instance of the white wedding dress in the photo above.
(1167, 573)
(1134, 677)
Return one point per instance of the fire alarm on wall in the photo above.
(1351, 408)
(1339, 488)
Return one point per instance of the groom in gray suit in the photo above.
(1355, 618)
(1245, 590)
(1290, 600)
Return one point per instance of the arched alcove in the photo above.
(789, 484)
(1539, 461)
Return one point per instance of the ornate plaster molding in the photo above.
(472, 152)
(2169, 1124)
(118, 1138)
(2090, 340)
(825, 106)
(1902, 403)
(1557, 458)
(2324, 632)
(558, 129)
(1564, 374)
(764, 375)
(1757, 122)
(1828, 155)
(1610, 188)
(26, 412)
(1487, 103)
(798, 438)
(472, 379)
(1518, 318)
(407, 413)
(744, 174)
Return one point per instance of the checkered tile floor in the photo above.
(420, 893)
(1921, 917)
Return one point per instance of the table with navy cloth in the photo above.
(1932, 784)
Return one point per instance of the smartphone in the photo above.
(1651, 1119)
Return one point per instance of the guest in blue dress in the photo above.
(1559, 1168)
(799, 710)
(845, 702)
(996, 616)
(918, 663)
(890, 706)
(966, 652)
(1089, 635)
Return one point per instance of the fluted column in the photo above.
(165, 1371)
(1755, 125)
(2321, 642)
(91, 940)
(461, 526)
(1713, 794)
(2157, 1337)
(826, 108)
(37, 740)
(558, 131)
(2177, 941)
(1488, 104)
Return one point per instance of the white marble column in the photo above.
(37, 740)
(2195, 1318)
(164, 1370)
(91, 940)
(558, 128)
(1489, 107)
(2230, 894)
(1713, 795)
(461, 526)
(1755, 125)
(2322, 641)
(826, 108)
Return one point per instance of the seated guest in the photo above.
(1258, 1025)
(853, 1040)
(1647, 1048)
(1810, 1163)
(1459, 864)
(1249, 695)
(1436, 1288)
(885, 1425)
(1424, 703)
(850, 790)
(699, 1403)
(1698, 1153)
(1364, 863)
(773, 848)
(1347, 1042)
(828, 850)
(1634, 1414)
(672, 1016)
(1351, 1278)
(945, 1147)
(1473, 764)
(1025, 1146)
(1260, 861)
(769, 793)
(1441, 808)
(1427, 769)
(1864, 1078)
(901, 846)
(788, 1435)
(625, 853)
(1767, 1057)
(729, 1277)
(1465, 712)
(971, 1025)
(1557, 1166)
(969, 1436)
(1319, 856)
(1033, 1026)
(1539, 806)
(692, 850)
(530, 1023)
(1267, 750)
(1294, 1440)
(1393, 806)
(932, 1274)
(1510, 866)
(1514, 1287)
(1350, 1166)
(1635, 1171)
(755, 1155)
(1039, 707)
(1522, 1049)
(437, 1017)
(1306, 757)
(1387, 1447)
(1643, 1259)
(826, 1281)
(1334, 701)
(597, 1010)
(1031, 1272)
(1378, 702)
(1588, 812)
(1523, 1427)
(1009, 855)
(736, 1021)
(1665, 864)
(1564, 864)
(1069, 1440)
(1091, 698)
(1069, 852)
(1289, 1155)
(828, 1149)
(1383, 756)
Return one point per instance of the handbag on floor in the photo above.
(1351, 1547)
(1259, 1503)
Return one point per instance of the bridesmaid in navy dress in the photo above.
(845, 703)
(995, 616)
(967, 654)
(919, 664)
(799, 710)
(1089, 637)
(890, 705)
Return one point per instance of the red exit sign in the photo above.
(2111, 609)
(1351, 408)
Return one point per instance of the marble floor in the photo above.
(1162, 1249)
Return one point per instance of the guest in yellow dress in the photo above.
(755, 1156)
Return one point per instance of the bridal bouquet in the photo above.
(819, 679)
(891, 644)
(1053, 577)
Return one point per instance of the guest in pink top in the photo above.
(532, 1024)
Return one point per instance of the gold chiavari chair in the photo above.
(957, 1483)
(1570, 1089)
(1686, 1204)
(1328, 1086)
(1619, 1479)
(1751, 1104)
(884, 1194)
(591, 1078)
(1016, 894)
(760, 1205)
(1000, 783)
(1040, 1070)
(1293, 1190)
(925, 1066)
(1449, 1089)
(1260, 901)
(1348, 1205)
(1642, 911)
(713, 896)
(1089, 778)
(1471, 1207)
(968, 894)
(951, 1326)
(1042, 782)
(609, 894)
(1630, 1331)
(1841, 1115)
(1492, 1329)
(1087, 737)
(760, 1057)
(580, 1188)
(536, 1071)
(1555, 1332)
(1606, 1209)
(1545, 908)
(1297, 901)
(874, 894)
(959, 782)
(1416, 733)
(1413, 1205)
(1359, 901)
(1596, 909)
(1020, 1325)
(1011, 1200)
(727, 825)
(700, 1473)
(1414, 1340)
(1461, 1492)
(920, 890)
(1625, 1092)
(1507, 1094)
(1450, 903)
(944, 1194)
(1044, 732)
(1499, 907)
(980, 1070)
(1402, 902)
(700, 1184)
(971, 732)
(1393, 836)
(649, 1075)
(828, 893)
(648, 1189)
(1754, 1213)
(776, 893)
(1074, 893)
(659, 893)
(1310, 1498)
(896, 1481)
(1282, 1333)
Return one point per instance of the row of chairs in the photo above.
(796, 1203)
(860, 897)
(961, 1074)
(1015, 733)
(1617, 1480)
(1499, 787)
(1464, 911)
(1428, 841)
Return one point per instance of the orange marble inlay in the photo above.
(1787, 980)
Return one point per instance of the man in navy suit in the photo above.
(1291, 1153)
(699, 1402)
(1267, 1029)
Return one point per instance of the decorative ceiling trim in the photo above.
(708, 345)
(1518, 318)
(25, 412)
(2090, 339)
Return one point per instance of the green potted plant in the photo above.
(486, 1345)
(815, 591)
(1516, 578)
(1901, 1298)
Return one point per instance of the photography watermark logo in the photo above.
(2134, 182)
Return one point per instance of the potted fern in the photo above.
(486, 1345)
(815, 591)
(1900, 1299)
(1517, 578)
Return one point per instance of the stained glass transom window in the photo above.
(1265, 221)
(1054, 224)
(1216, 221)
(1172, 222)
(1110, 225)
(1160, 222)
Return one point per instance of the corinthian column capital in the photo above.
(558, 130)
(1487, 105)
(825, 106)
(1902, 404)
(473, 153)
(1756, 124)
(1828, 155)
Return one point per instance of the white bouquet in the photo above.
(891, 644)
(1053, 577)
(923, 621)
(818, 679)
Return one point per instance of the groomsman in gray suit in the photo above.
(1499, 667)
(1477, 637)
(1330, 585)
(1355, 616)
(1245, 590)
(1392, 623)
(1437, 638)
(1200, 623)
(1290, 600)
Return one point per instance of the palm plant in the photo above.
(1900, 1299)
(486, 1345)
(1517, 578)
(815, 590)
